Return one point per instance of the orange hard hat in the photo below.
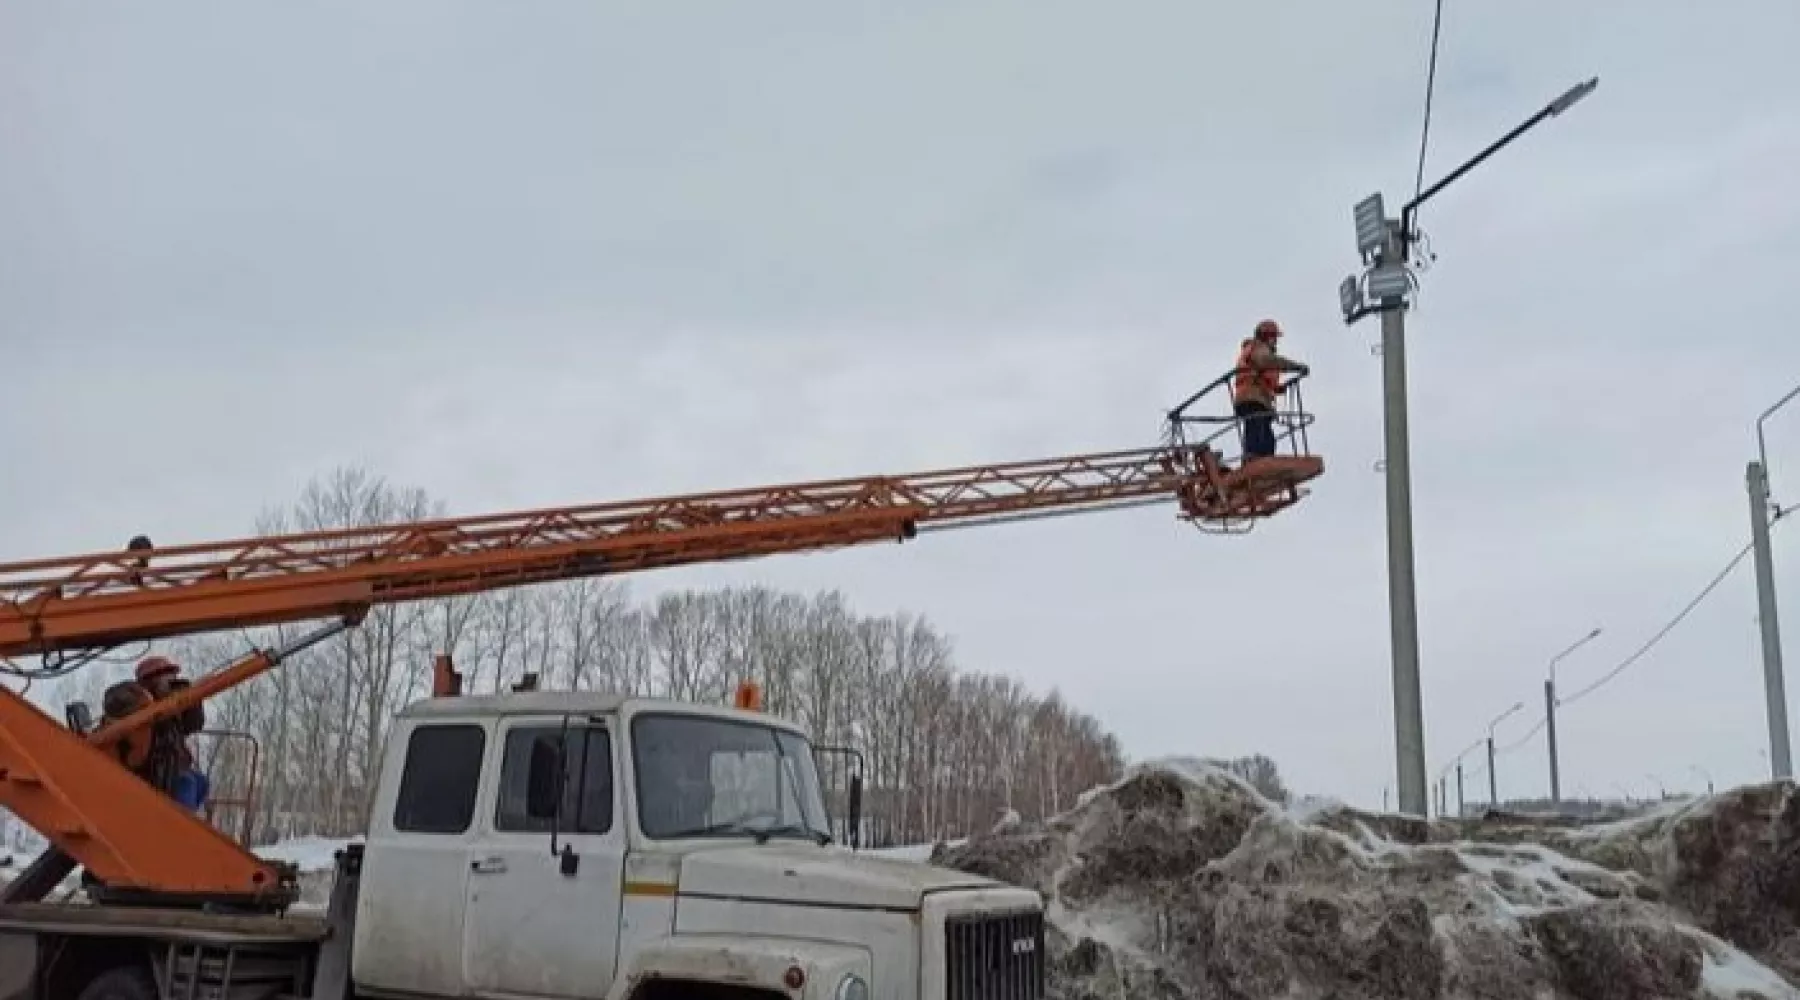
(1268, 328)
(151, 667)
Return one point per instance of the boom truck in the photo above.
(531, 843)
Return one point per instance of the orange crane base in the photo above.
(127, 834)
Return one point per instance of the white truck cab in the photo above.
(577, 844)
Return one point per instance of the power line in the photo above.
(1521, 741)
(1437, 21)
(1663, 632)
(1639, 654)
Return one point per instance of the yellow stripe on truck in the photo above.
(649, 888)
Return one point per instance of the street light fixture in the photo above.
(1384, 246)
(1756, 481)
(1550, 711)
(1493, 784)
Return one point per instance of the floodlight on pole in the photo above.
(1390, 282)
(1383, 244)
(1371, 225)
(1350, 295)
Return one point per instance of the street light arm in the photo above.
(1577, 644)
(1460, 755)
(1567, 100)
(1762, 451)
(1503, 716)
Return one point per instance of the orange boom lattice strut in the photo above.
(137, 842)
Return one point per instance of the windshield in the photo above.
(706, 777)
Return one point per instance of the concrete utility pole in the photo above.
(1756, 481)
(1443, 782)
(1493, 783)
(1774, 686)
(1550, 712)
(1550, 737)
(1403, 615)
(1384, 244)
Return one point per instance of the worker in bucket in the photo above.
(1256, 384)
(160, 755)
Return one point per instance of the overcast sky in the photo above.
(526, 254)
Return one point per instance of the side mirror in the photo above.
(853, 832)
(544, 780)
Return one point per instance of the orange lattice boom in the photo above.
(135, 841)
(54, 605)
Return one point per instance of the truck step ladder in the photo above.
(203, 971)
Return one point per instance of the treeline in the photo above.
(947, 751)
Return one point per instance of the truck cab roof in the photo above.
(579, 703)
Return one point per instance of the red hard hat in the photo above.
(155, 666)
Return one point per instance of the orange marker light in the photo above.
(749, 696)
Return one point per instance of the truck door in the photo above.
(545, 874)
(416, 867)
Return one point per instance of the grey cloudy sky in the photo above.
(524, 254)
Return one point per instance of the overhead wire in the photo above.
(1522, 740)
(1437, 22)
(1643, 650)
(1663, 632)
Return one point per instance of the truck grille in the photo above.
(994, 956)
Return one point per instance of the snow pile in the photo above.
(1730, 862)
(1181, 881)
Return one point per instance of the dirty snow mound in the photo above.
(1181, 882)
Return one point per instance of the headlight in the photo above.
(851, 987)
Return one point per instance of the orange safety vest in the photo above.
(1250, 383)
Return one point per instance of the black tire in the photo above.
(126, 982)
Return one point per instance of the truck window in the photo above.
(439, 780)
(587, 801)
(699, 776)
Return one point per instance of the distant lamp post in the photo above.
(1457, 765)
(1384, 246)
(1550, 712)
(1705, 776)
(1756, 481)
(1493, 784)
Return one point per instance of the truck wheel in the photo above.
(125, 982)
